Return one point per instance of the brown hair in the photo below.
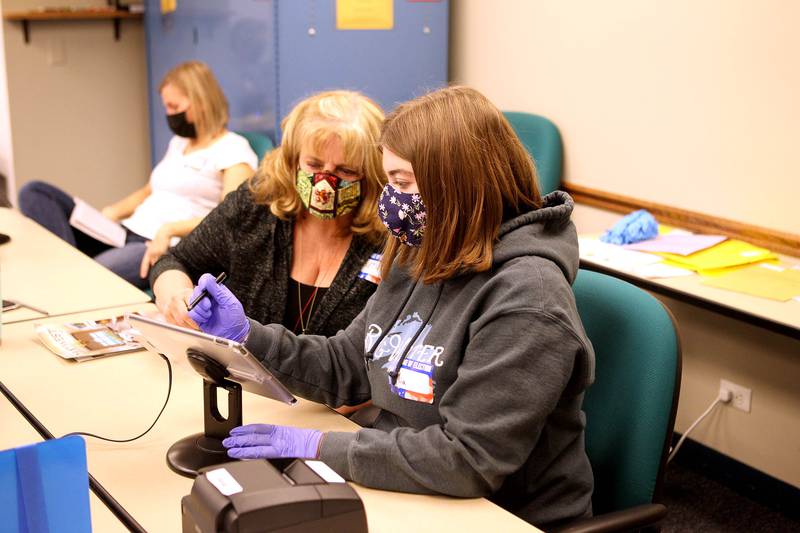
(207, 101)
(471, 171)
(356, 121)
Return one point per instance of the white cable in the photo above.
(723, 397)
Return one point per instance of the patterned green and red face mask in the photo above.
(326, 195)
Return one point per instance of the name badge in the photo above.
(371, 271)
(414, 381)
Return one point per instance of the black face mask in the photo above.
(180, 126)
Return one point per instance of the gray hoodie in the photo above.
(479, 379)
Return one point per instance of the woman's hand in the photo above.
(155, 249)
(109, 212)
(174, 308)
(219, 313)
(265, 441)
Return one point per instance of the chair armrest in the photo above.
(624, 520)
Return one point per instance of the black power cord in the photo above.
(146, 431)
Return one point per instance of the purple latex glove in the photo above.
(265, 441)
(220, 313)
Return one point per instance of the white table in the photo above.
(119, 397)
(780, 317)
(17, 432)
(39, 269)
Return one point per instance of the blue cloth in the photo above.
(634, 227)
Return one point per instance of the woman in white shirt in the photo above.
(204, 161)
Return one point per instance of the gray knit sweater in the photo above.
(254, 247)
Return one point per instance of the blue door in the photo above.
(236, 38)
(269, 54)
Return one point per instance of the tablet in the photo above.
(242, 366)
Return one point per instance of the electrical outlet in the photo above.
(740, 396)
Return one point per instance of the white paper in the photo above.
(614, 256)
(660, 270)
(224, 481)
(676, 231)
(324, 471)
(93, 223)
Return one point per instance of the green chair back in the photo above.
(543, 141)
(260, 143)
(630, 408)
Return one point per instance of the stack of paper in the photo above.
(765, 280)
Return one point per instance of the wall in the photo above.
(686, 103)
(714, 348)
(6, 147)
(78, 103)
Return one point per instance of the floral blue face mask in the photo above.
(403, 214)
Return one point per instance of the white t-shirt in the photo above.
(186, 186)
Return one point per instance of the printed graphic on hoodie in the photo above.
(415, 377)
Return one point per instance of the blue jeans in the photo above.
(51, 207)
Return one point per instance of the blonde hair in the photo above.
(207, 101)
(472, 173)
(352, 118)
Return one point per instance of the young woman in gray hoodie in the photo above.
(471, 349)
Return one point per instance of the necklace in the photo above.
(309, 305)
(307, 309)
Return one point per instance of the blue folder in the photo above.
(44, 488)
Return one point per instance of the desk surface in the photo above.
(17, 432)
(39, 269)
(119, 396)
(781, 317)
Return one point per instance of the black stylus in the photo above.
(220, 279)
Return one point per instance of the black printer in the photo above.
(280, 495)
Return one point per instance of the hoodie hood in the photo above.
(546, 232)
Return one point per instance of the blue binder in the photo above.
(44, 488)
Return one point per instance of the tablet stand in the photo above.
(197, 451)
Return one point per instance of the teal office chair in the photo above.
(543, 141)
(630, 408)
(260, 143)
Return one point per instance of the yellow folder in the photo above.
(764, 280)
(725, 254)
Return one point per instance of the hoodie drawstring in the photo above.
(370, 355)
(396, 370)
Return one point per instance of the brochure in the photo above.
(81, 341)
(93, 223)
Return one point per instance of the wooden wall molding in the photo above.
(777, 241)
